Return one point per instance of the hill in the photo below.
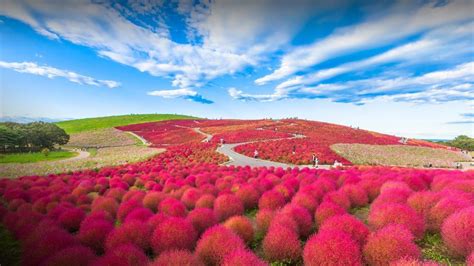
(88, 124)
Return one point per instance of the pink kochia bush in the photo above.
(271, 200)
(227, 206)
(242, 257)
(127, 255)
(327, 210)
(75, 255)
(390, 244)
(242, 226)
(202, 218)
(173, 233)
(332, 247)
(177, 258)
(348, 224)
(133, 232)
(216, 243)
(94, 232)
(393, 213)
(458, 232)
(281, 243)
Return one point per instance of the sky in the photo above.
(397, 67)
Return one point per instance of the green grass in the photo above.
(433, 248)
(10, 251)
(87, 124)
(35, 157)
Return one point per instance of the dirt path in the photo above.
(144, 141)
(82, 155)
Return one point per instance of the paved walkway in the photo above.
(208, 136)
(82, 155)
(144, 141)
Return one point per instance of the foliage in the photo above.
(462, 142)
(31, 136)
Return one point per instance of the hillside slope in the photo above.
(87, 124)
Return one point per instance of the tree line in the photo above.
(35, 136)
(462, 142)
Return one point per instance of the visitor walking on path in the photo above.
(315, 161)
(255, 154)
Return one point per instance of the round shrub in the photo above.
(338, 197)
(422, 202)
(413, 262)
(332, 247)
(216, 243)
(141, 214)
(153, 199)
(285, 220)
(348, 224)
(94, 233)
(73, 256)
(242, 257)
(71, 219)
(242, 226)
(205, 201)
(110, 205)
(390, 244)
(173, 233)
(281, 244)
(127, 207)
(133, 232)
(263, 219)
(305, 200)
(458, 232)
(393, 213)
(173, 207)
(444, 208)
(327, 210)
(177, 258)
(356, 194)
(227, 206)
(190, 197)
(249, 196)
(155, 220)
(202, 218)
(302, 217)
(271, 200)
(127, 255)
(470, 259)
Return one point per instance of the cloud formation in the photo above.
(181, 93)
(51, 72)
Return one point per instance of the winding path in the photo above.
(82, 155)
(144, 141)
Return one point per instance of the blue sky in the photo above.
(399, 67)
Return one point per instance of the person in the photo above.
(337, 163)
(255, 154)
(294, 149)
(315, 160)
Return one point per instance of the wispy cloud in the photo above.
(51, 72)
(468, 115)
(401, 21)
(454, 84)
(188, 94)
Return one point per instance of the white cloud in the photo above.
(400, 22)
(446, 85)
(184, 93)
(440, 44)
(51, 72)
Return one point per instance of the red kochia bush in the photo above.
(281, 243)
(242, 226)
(348, 224)
(470, 259)
(390, 244)
(72, 218)
(356, 194)
(202, 218)
(227, 206)
(205, 201)
(173, 233)
(109, 205)
(153, 199)
(94, 233)
(444, 208)
(75, 255)
(190, 197)
(413, 262)
(327, 210)
(263, 220)
(173, 207)
(271, 200)
(127, 255)
(332, 247)
(458, 232)
(248, 195)
(338, 197)
(393, 213)
(423, 201)
(305, 200)
(133, 232)
(302, 217)
(242, 257)
(216, 243)
(177, 258)
(141, 214)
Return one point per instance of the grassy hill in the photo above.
(87, 124)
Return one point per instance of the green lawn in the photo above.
(86, 124)
(35, 157)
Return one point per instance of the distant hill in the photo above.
(26, 119)
(87, 124)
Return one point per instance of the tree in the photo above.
(462, 142)
(32, 136)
